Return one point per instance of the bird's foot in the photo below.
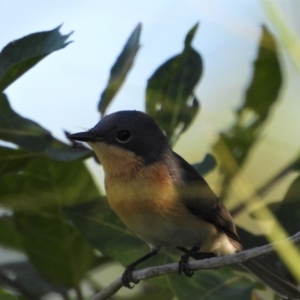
(127, 277)
(184, 261)
(183, 265)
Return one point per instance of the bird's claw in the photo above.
(127, 277)
(183, 266)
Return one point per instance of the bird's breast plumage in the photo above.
(148, 199)
(149, 189)
(148, 204)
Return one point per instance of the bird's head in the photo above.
(125, 137)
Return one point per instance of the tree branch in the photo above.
(211, 263)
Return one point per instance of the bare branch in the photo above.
(210, 263)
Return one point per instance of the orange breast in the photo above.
(150, 191)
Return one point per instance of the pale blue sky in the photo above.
(68, 82)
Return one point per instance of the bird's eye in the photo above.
(123, 136)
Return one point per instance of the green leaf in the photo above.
(31, 136)
(4, 295)
(208, 164)
(266, 81)
(104, 230)
(169, 95)
(54, 246)
(234, 145)
(260, 97)
(20, 55)
(120, 69)
(21, 131)
(8, 234)
(44, 183)
(14, 160)
(36, 195)
(212, 284)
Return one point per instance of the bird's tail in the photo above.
(279, 285)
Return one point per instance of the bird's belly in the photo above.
(159, 221)
(149, 206)
(159, 231)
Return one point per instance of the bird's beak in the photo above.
(83, 137)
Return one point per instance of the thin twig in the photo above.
(211, 263)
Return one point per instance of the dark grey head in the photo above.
(131, 130)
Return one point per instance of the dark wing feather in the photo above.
(201, 201)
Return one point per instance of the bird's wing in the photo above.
(202, 202)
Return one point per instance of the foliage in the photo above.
(260, 97)
(169, 94)
(120, 69)
(53, 213)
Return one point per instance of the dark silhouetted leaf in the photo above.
(14, 160)
(22, 54)
(208, 164)
(31, 136)
(103, 229)
(9, 234)
(169, 95)
(45, 182)
(68, 154)
(54, 246)
(265, 84)
(36, 195)
(21, 131)
(212, 284)
(120, 69)
(235, 144)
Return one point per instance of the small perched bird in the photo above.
(163, 199)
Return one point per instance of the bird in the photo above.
(163, 199)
